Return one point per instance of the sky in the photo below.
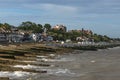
(100, 16)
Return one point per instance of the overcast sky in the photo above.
(101, 16)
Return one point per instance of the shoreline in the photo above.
(15, 54)
(25, 54)
(23, 57)
(86, 65)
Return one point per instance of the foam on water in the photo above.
(32, 66)
(65, 72)
(55, 60)
(52, 55)
(26, 66)
(41, 56)
(20, 73)
(114, 48)
(93, 61)
(29, 61)
(15, 74)
(60, 72)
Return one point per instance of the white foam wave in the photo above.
(65, 72)
(52, 55)
(26, 66)
(20, 73)
(29, 61)
(60, 72)
(41, 56)
(15, 74)
(55, 60)
(114, 48)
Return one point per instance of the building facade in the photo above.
(60, 27)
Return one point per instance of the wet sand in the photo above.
(84, 65)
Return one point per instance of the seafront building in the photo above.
(60, 27)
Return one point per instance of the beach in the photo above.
(103, 64)
(86, 65)
(21, 61)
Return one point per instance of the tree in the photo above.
(48, 27)
(106, 38)
(38, 29)
(27, 25)
(40, 26)
(1, 24)
(7, 26)
(31, 26)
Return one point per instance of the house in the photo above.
(15, 37)
(35, 37)
(3, 37)
(38, 37)
(9, 36)
(88, 32)
(49, 38)
(60, 27)
(68, 40)
(81, 39)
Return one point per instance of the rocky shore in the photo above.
(35, 61)
(23, 57)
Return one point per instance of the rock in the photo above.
(4, 78)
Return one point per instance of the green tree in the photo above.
(1, 24)
(27, 25)
(31, 26)
(106, 38)
(7, 26)
(40, 26)
(47, 26)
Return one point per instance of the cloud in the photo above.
(66, 6)
(97, 13)
(53, 8)
(13, 12)
(102, 7)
